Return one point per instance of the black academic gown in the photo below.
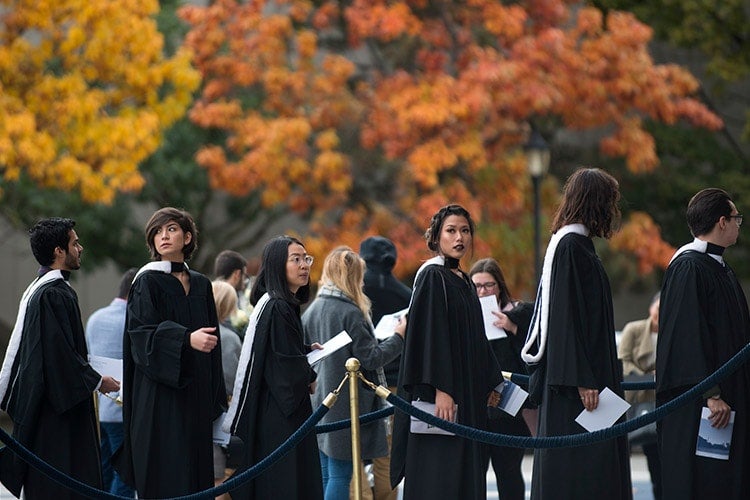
(50, 401)
(507, 460)
(445, 348)
(277, 395)
(172, 393)
(580, 352)
(703, 322)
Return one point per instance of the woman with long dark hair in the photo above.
(571, 345)
(271, 397)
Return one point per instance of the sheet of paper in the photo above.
(419, 427)
(512, 397)
(107, 366)
(387, 324)
(489, 304)
(219, 436)
(333, 345)
(611, 407)
(713, 442)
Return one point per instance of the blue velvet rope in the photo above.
(363, 419)
(583, 438)
(520, 379)
(571, 440)
(236, 481)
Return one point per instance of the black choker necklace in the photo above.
(451, 263)
(714, 249)
(178, 267)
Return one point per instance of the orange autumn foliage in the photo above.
(366, 117)
(642, 237)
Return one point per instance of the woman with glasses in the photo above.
(342, 305)
(448, 367)
(514, 317)
(271, 396)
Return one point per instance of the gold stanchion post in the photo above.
(352, 367)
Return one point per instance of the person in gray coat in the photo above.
(342, 305)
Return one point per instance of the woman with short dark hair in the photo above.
(174, 386)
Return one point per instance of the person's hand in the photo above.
(445, 408)
(202, 340)
(401, 326)
(316, 346)
(503, 322)
(493, 399)
(313, 385)
(109, 385)
(720, 412)
(589, 398)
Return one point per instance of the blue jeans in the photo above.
(337, 474)
(112, 435)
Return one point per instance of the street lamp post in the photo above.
(537, 158)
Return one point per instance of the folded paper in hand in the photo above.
(333, 345)
(386, 327)
(713, 442)
(419, 427)
(512, 397)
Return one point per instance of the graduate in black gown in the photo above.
(514, 317)
(571, 346)
(46, 383)
(703, 322)
(447, 360)
(271, 397)
(173, 380)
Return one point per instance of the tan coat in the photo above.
(636, 352)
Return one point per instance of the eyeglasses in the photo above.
(487, 286)
(299, 259)
(737, 217)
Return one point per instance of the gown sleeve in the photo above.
(69, 379)
(156, 346)
(570, 344)
(427, 358)
(681, 359)
(287, 372)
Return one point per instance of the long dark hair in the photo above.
(272, 274)
(590, 198)
(492, 267)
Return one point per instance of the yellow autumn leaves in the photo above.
(86, 93)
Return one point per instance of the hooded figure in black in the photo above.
(387, 294)
(703, 322)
